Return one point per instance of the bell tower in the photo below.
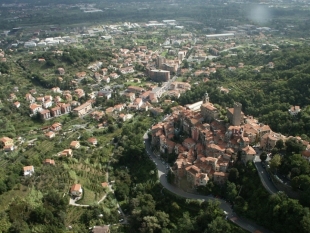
(206, 98)
(237, 114)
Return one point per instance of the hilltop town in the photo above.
(83, 86)
(207, 147)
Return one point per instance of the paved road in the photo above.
(162, 170)
(72, 202)
(264, 176)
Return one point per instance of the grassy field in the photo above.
(90, 197)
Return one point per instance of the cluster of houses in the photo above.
(49, 107)
(211, 145)
(2, 56)
(29, 170)
(76, 145)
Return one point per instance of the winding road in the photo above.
(162, 170)
(264, 176)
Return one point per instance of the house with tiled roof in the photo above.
(97, 115)
(75, 145)
(294, 110)
(109, 111)
(35, 108)
(80, 75)
(248, 154)
(76, 190)
(66, 153)
(12, 97)
(30, 98)
(101, 229)
(68, 96)
(7, 143)
(79, 93)
(49, 162)
(119, 107)
(127, 70)
(65, 108)
(56, 90)
(106, 79)
(138, 102)
(17, 104)
(104, 71)
(61, 71)
(56, 126)
(93, 141)
(114, 75)
(28, 170)
(83, 109)
(58, 99)
(50, 134)
(131, 96)
(123, 117)
(135, 89)
(189, 143)
(45, 114)
(56, 111)
(105, 93)
(220, 177)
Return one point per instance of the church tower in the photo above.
(206, 98)
(236, 121)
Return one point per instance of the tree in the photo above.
(4, 223)
(3, 187)
(275, 162)
(143, 205)
(305, 222)
(293, 146)
(149, 225)
(163, 218)
(233, 175)
(240, 205)
(185, 223)
(210, 212)
(122, 191)
(263, 156)
(274, 151)
(231, 191)
(218, 225)
(279, 144)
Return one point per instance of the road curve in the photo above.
(264, 177)
(162, 170)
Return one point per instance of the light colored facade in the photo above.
(294, 110)
(76, 190)
(45, 114)
(35, 108)
(75, 145)
(56, 111)
(83, 109)
(28, 170)
(6, 141)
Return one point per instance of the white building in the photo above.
(28, 170)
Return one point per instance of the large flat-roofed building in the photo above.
(211, 36)
(159, 75)
(169, 21)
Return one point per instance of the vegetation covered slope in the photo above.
(267, 95)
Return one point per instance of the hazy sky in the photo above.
(259, 14)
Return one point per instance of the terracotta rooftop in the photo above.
(75, 187)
